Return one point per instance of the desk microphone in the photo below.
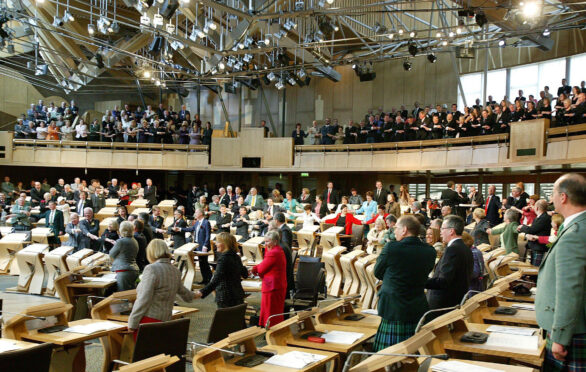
(465, 298)
(216, 348)
(422, 320)
(423, 367)
(267, 325)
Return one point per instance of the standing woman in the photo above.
(195, 134)
(229, 270)
(392, 206)
(404, 198)
(123, 255)
(81, 131)
(273, 271)
(158, 288)
(298, 134)
(53, 131)
(403, 266)
(207, 134)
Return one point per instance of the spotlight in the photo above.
(145, 20)
(391, 36)
(240, 45)
(271, 76)
(247, 58)
(407, 66)
(502, 43)
(170, 28)
(41, 70)
(431, 58)
(321, 3)
(412, 34)
(91, 29)
(200, 33)
(266, 80)
(291, 80)
(57, 22)
(459, 30)
(530, 9)
(301, 74)
(221, 65)
(157, 82)
(114, 28)
(481, 19)
(451, 34)
(280, 85)
(438, 34)
(330, 2)
(146, 74)
(413, 49)
(212, 25)
(445, 43)
(68, 17)
(267, 41)
(319, 36)
(546, 32)
(401, 31)
(336, 28)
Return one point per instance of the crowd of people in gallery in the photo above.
(422, 245)
(166, 125)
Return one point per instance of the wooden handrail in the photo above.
(568, 129)
(109, 145)
(477, 140)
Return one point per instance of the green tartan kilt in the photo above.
(391, 332)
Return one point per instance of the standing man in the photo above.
(150, 192)
(201, 230)
(331, 196)
(492, 207)
(90, 230)
(82, 203)
(451, 279)
(286, 244)
(380, 194)
(449, 196)
(560, 303)
(54, 221)
(403, 266)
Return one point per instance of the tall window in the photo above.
(524, 78)
(496, 85)
(551, 74)
(577, 71)
(472, 85)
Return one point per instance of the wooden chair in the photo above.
(361, 265)
(36, 358)
(32, 270)
(306, 241)
(74, 260)
(350, 276)
(9, 245)
(185, 261)
(499, 267)
(330, 238)
(333, 270)
(56, 265)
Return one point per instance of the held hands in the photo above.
(197, 295)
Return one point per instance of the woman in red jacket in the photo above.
(344, 219)
(273, 271)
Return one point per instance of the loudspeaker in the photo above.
(250, 162)
(156, 45)
(368, 76)
(229, 88)
(168, 9)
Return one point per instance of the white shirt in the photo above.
(571, 218)
(52, 217)
(308, 219)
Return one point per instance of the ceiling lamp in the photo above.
(91, 29)
(412, 34)
(145, 20)
(221, 65)
(247, 58)
(413, 49)
(431, 58)
(530, 9)
(438, 34)
(267, 41)
(407, 66)
(319, 36)
(114, 28)
(146, 74)
(546, 32)
(68, 17)
(271, 76)
(280, 85)
(211, 25)
(57, 22)
(445, 43)
(502, 43)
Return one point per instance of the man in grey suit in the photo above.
(74, 231)
(254, 200)
(560, 302)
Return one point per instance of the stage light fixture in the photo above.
(379, 29)
(271, 76)
(431, 58)
(412, 34)
(438, 34)
(401, 31)
(158, 20)
(391, 36)
(266, 80)
(451, 34)
(502, 43)
(146, 74)
(445, 43)
(413, 49)
(91, 29)
(114, 28)
(57, 22)
(546, 32)
(530, 9)
(407, 66)
(170, 28)
(481, 19)
(145, 20)
(291, 80)
(68, 17)
(280, 85)
(330, 1)
(221, 65)
(301, 74)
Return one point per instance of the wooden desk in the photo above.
(167, 207)
(32, 270)
(105, 223)
(112, 202)
(512, 297)
(139, 210)
(178, 313)
(41, 235)
(138, 203)
(252, 285)
(106, 212)
(496, 366)
(9, 245)
(67, 338)
(56, 265)
(19, 344)
(337, 313)
(252, 250)
(69, 292)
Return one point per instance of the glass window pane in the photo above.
(545, 190)
(524, 78)
(551, 74)
(577, 71)
(472, 85)
(497, 85)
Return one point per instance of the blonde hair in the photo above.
(126, 229)
(114, 224)
(156, 249)
(228, 240)
(467, 239)
(479, 213)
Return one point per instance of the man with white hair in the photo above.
(90, 228)
(223, 197)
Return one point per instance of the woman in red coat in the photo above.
(344, 219)
(273, 271)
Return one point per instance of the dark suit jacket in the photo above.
(226, 280)
(276, 209)
(519, 203)
(451, 278)
(58, 225)
(150, 194)
(308, 199)
(492, 212)
(156, 223)
(449, 197)
(241, 227)
(92, 227)
(323, 210)
(86, 204)
(287, 244)
(382, 198)
(404, 267)
(334, 197)
(223, 220)
(97, 202)
(541, 226)
(36, 196)
(225, 200)
(179, 236)
(203, 235)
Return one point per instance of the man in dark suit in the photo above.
(150, 192)
(449, 196)
(492, 207)
(565, 88)
(224, 219)
(113, 189)
(156, 222)
(146, 229)
(201, 230)
(462, 199)
(330, 195)
(174, 230)
(241, 221)
(380, 194)
(451, 279)
(271, 209)
(286, 244)
(515, 201)
(54, 221)
(82, 203)
(541, 226)
(327, 133)
(36, 194)
(224, 198)
(183, 113)
(90, 230)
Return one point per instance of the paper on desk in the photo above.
(512, 341)
(175, 311)
(456, 366)
(88, 329)
(341, 337)
(530, 307)
(512, 330)
(8, 345)
(252, 283)
(294, 359)
(370, 311)
(98, 279)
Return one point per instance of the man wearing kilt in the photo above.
(560, 302)
(403, 266)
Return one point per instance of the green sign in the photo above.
(304, 174)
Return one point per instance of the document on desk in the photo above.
(508, 341)
(521, 331)
(8, 345)
(370, 311)
(341, 337)
(294, 359)
(98, 279)
(530, 307)
(252, 283)
(88, 329)
(456, 366)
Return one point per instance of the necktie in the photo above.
(80, 208)
(560, 228)
(253, 201)
(486, 206)
(329, 192)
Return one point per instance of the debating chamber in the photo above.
(300, 185)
